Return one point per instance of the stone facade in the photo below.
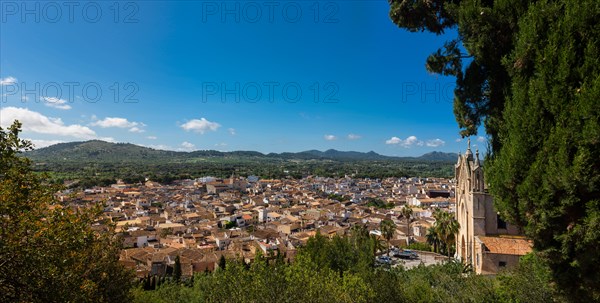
(477, 217)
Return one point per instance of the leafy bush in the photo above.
(341, 270)
(420, 246)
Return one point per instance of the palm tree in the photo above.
(407, 212)
(451, 230)
(433, 239)
(377, 244)
(387, 228)
(359, 230)
(446, 227)
(358, 234)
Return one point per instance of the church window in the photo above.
(501, 223)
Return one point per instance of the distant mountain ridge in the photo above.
(101, 151)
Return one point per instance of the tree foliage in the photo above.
(222, 262)
(177, 269)
(433, 239)
(546, 177)
(341, 254)
(441, 236)
(100, 163)
(378, 203)
(529, 71)
(317, 275)
(49, 251)
(446, 227)
(388, 229)
(407, 213)
(486, 31)
(532, 272)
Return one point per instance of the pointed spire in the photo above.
(477, 157)
(469, 154)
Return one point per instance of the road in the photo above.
(425, 258)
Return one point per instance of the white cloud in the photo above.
(222, 144)
(232, 131)
(8, 80)
(56, 103)
(151, 137)
(330, 137)
(354, 137)
(200, 126)
(44, 143)
(187, 145)
(481, 139)
(458, 140)
(408, 142)
(393, 140)
(136, 129)
(435, 143)
(38, 123)
(114, 122)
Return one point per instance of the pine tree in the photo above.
(222, 262)
(177, 269)
(529, 71)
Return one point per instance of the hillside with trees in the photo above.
(102, 163)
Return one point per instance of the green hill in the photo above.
(97, 150)
(101, 151)
(100, 163)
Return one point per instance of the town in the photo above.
(206, 219)
(300, 151)
(203, 219)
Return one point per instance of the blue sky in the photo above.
(267, 76)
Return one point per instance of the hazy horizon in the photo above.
(241, 150)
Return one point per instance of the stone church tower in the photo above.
(475, 213)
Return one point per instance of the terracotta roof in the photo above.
(506, 246)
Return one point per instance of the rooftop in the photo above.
(506, 246)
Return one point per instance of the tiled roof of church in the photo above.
(506, 246)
